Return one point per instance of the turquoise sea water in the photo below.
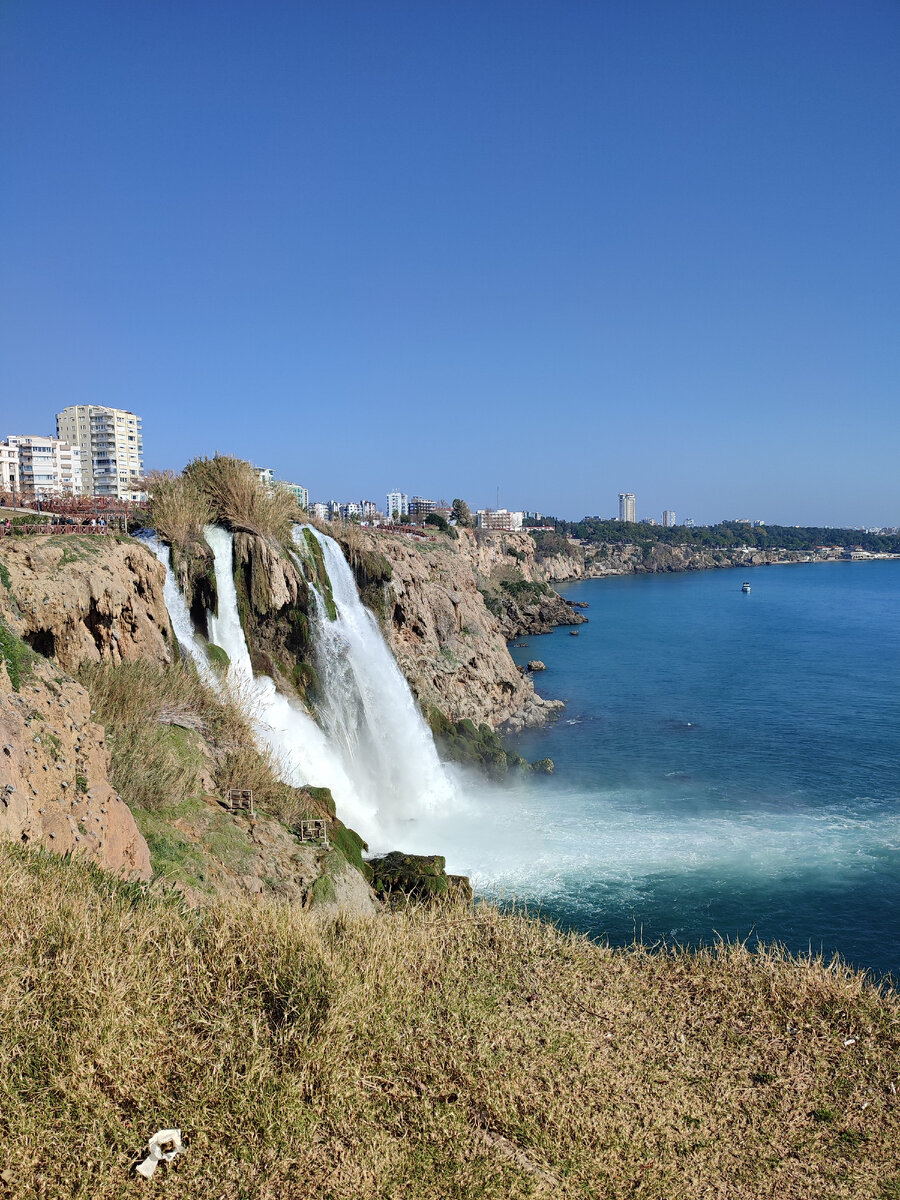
(727, 764)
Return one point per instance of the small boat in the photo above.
(745, 586)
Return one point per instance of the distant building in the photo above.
(648, 520)
(397, 502)
(669, 518)
(532, 517)
(40, 467)
(319, 511)
(420, 507)
(299, 491)
(111, 442)
(368, 510)
(265, 475)
(499, 518)
(689, 522)
(9, 467)
(626, 507)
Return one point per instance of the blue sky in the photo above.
(565, 248)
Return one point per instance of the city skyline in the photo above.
(535, 245)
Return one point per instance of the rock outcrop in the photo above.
(400, 878)
(86, 599)
(54, 766)
(448, 643)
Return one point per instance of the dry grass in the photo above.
(178, 509)
(165, 726)
(239, 499)
(423, 1055)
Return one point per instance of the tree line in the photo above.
(724, 535)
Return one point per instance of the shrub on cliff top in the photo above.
(178, 509)
(240, 499)
(425, 1054)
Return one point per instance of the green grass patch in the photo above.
(18, 657)
(323, 890)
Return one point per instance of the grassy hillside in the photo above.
(437, 1053)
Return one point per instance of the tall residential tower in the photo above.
(111, 441)
(626, 507)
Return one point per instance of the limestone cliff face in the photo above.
(449, 645)
(593, 562)
(86, 599)
(54, 767)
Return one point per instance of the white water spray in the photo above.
(367, 709)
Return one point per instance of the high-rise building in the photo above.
(669, 517)
(111, 441)
(626, 507)
(397, 502)
(40, 467)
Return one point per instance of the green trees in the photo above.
(462, 514)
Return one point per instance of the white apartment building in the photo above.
(9, 467)
(319, 510)
(627, 507)
(111, 441)
(299, 491)
(499, 518)
(669, 517)
(397, 502)
(40, 467)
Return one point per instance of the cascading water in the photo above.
(299, 745)
(366, 707)
(177, 607)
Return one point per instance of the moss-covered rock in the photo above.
(473, 745)
(194, 567)
(218, 658)
(401, 878)
(543, 766)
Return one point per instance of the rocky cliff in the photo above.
(54, 770)
(557, 559)
(86, 599)
(96, 603)
(447, 617)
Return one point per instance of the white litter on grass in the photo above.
(163, 1147)
(849, 1041)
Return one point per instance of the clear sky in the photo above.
(563, 247)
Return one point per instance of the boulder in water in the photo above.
(543, 766)
(536, 665)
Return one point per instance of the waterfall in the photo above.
(300, 747)
(177, 607)
(366, 707)
(371, 747)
